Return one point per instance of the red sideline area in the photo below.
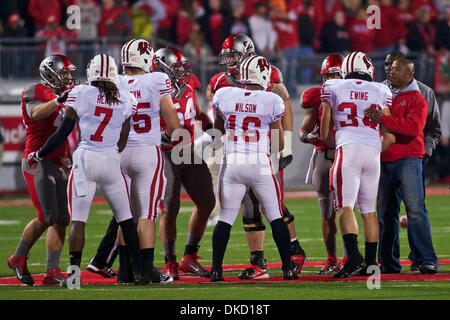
(91, 278)
(308, 194)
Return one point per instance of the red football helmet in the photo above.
(172, 62)
(235, 48)
(331, 64)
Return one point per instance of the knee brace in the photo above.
(253, 224)
(287, 216)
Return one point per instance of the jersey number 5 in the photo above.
(146, 126)
(108, 114)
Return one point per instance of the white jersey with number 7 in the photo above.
(100, 123)
(348, 99)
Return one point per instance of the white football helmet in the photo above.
(255, 70)
(137, 53)
(101, 68)
(357, 62)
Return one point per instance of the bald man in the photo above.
(431, 133)
(401, 173)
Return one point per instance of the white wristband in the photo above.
(287, 151)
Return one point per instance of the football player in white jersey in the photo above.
(247, 116)
(103, 114)
(355, 173)
(142, 159)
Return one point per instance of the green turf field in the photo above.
(308, 225)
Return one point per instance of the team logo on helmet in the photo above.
(137, 53)
(358, 62)
(255, 70)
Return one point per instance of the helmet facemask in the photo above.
(230, 61)
(58, 80)
(179, 73)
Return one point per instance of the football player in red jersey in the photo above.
(234, 49)
(192, 174)
(42, 112)
(322, 160)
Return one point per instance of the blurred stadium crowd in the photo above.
(292, 34)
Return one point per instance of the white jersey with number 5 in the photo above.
(100, 123)
(348, 99)
(148, 89)
(247, 115)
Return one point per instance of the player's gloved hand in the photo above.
(286, 156)
(33, 159)
(166, 140)
(66, 162)
(312, 137)
(63, 97)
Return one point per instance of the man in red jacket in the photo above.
(401, 168)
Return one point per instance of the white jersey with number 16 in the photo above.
(247, 115)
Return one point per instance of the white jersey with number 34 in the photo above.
(247, 115)
(348, 99)
(148, 89)
(100, 123)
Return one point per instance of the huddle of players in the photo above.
(142, 95)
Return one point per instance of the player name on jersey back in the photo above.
(148, 89)
(348, 99)
(247, 116)
(248, 107)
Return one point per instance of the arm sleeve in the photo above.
(131, 108)
(34, 95)
(432, 131)
(215, 102)
(163, 84)
(74, 99)
(326, 92)
(386, 97)
(311, 98)
(412, 122)
(278, 108)
(58, 137)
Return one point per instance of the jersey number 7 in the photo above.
(97, 136)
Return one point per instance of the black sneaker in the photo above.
(364, 271)
(216, 275)
(389, 270)
(290, 273)
(124, 275)
(354, 265)
(428, 268)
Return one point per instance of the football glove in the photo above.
(33, 159)
(312, 137)
(166, 140)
